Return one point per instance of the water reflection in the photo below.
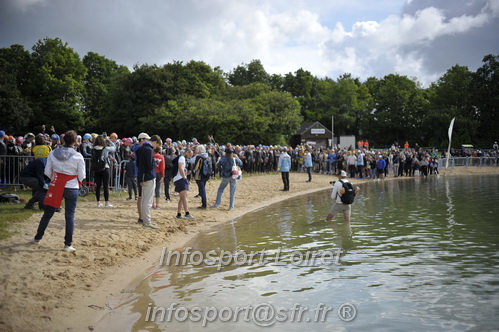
(419, 254)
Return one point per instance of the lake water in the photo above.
(419, 255)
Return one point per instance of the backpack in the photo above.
(169, 161)
(175, 166)
(349, 194)
(9, 198)
(98, 160)
(207, 168)
(198, 168)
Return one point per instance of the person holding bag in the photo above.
(66, 168)
(226, 165)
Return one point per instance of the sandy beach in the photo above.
(46, 289)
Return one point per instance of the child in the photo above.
(131, 177)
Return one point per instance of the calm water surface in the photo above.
(420, 255)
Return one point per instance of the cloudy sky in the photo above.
(417, 38)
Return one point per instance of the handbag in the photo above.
(236, 170)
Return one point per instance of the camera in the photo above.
(332, 182)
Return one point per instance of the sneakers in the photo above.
(197, 196)
(129, 198)
(189, 216)
(140, 221)
(150, 226)
(29, 207)
(109, 205)
(214, 206)
(69, 248)
(99, 204)
(179, 216)
(35, 241)
(202, 207)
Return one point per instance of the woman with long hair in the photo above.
(101, 164)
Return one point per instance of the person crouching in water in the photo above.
(284, 165)
(339, 205)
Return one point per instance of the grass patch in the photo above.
(12, 213)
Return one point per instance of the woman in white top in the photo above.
(66, 167)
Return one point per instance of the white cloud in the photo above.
(24, 5)
(386, 44)
(321, 36)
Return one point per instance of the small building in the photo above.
(312, 133)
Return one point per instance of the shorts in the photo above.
(340, 207)
(181, 185)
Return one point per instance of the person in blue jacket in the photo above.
(284, 165)
(225, 164)
(307, 163)
(33, 176)
(381, 165)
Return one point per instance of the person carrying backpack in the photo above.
(101, 165)
(202, 172)
(343, 194)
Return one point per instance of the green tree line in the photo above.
(52, 85)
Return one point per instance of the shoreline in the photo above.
(45, 288)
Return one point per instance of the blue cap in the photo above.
(2, 133)
(55, 136)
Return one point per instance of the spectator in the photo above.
(131, 176)
(146, 177)
(86, 146)
(159, 161)
(33, 176)
(202, 172)
(284, 165)
(225, 165)
(65, 166)
(182, 185)
(307, 163)
(101, 165)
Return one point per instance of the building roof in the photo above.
(306, 126)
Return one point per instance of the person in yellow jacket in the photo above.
(41, 149)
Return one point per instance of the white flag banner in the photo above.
(450, 138)
(450, 128)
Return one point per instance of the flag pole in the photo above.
(332, 131)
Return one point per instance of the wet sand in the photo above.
(46, 289)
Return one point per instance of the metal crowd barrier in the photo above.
(470, 161)
(12, 166)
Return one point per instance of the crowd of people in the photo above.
(150, 166)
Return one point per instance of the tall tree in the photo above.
(254, 72)
(15, 111)
(449, 97)
(399, 108)
(100, 73)
(485, 96)
(56, 85)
